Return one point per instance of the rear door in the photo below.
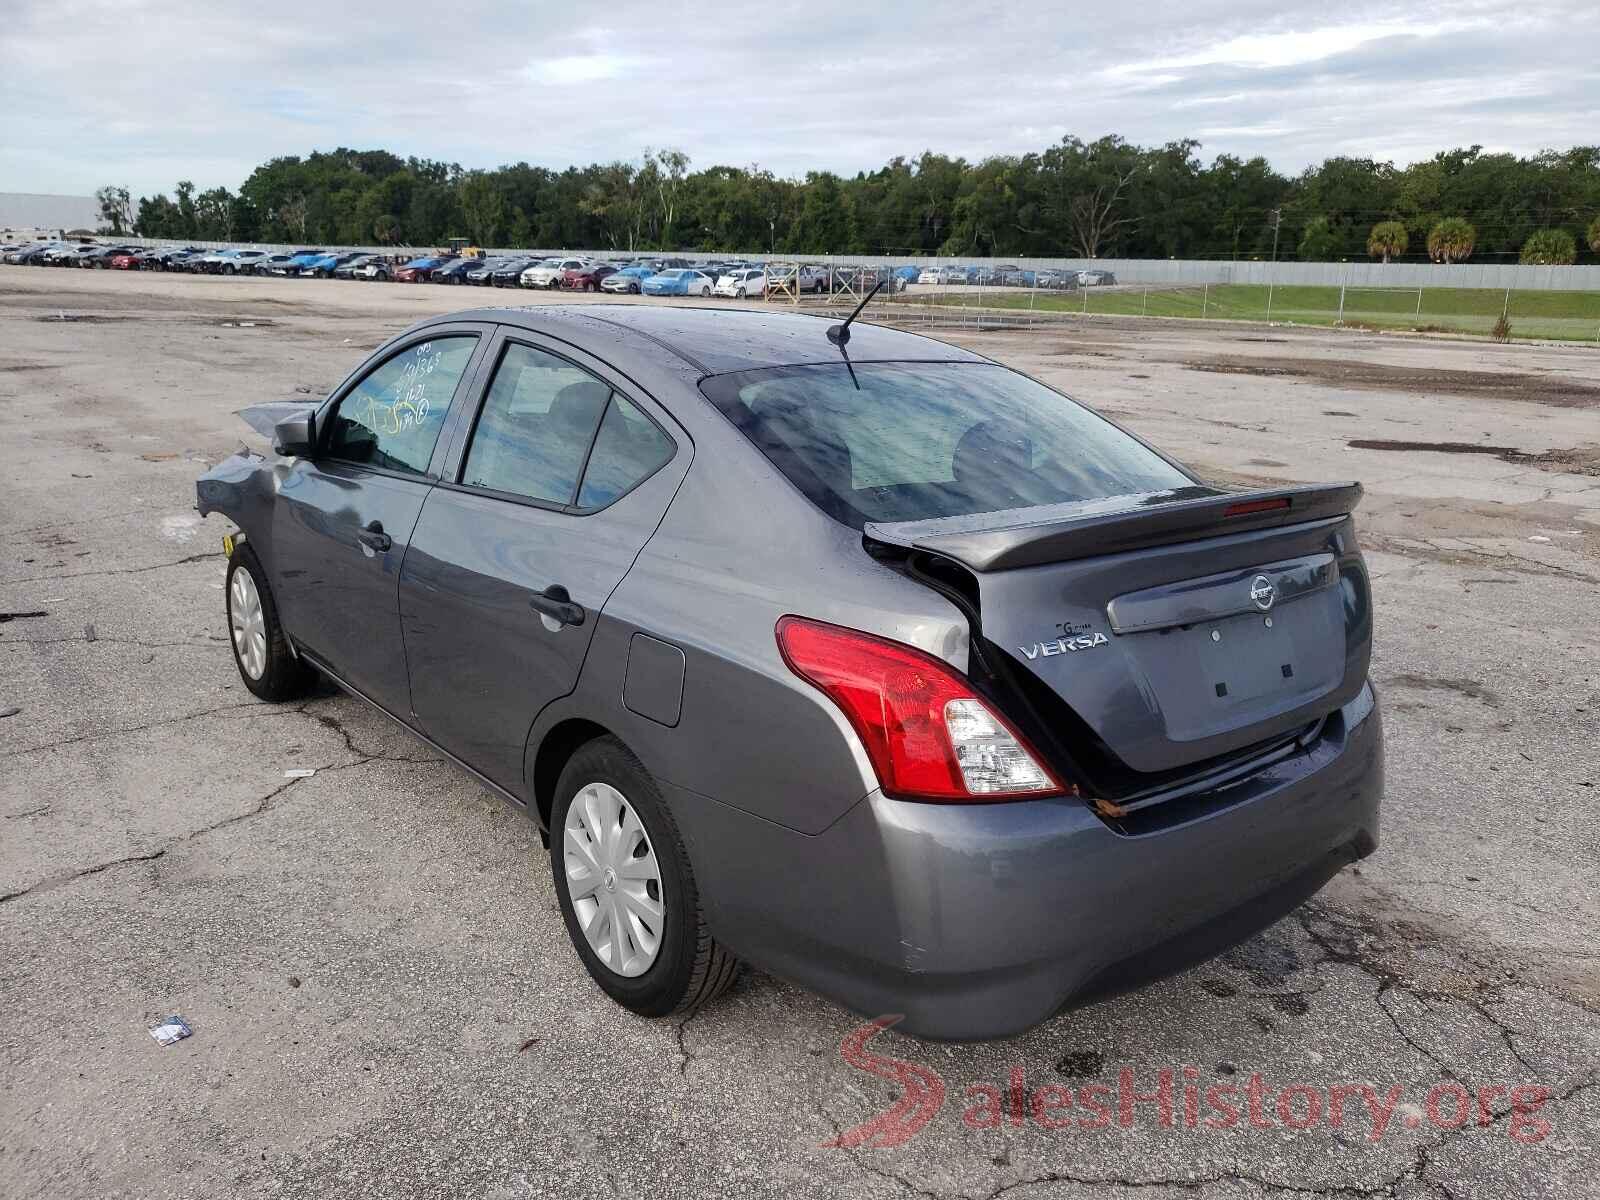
(547, 498)
(343, 519)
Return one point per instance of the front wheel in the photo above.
(626, 889)
(633, 289)
(267, 665)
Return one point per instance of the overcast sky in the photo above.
(146, 92)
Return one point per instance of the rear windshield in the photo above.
(909, 441)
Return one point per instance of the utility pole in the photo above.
(1277, 224)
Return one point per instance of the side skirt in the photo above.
(426, 740)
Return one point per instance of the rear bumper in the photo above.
(980, 921)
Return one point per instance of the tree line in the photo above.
(1099, 199)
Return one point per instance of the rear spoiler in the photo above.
(1052, 533)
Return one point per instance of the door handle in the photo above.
(555, 602)
(374, 538)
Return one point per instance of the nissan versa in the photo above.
(833, 649)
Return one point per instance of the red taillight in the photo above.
(928, 734)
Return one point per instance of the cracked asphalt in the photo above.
(380, 987)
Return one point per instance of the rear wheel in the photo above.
(626, 889)
(705, 291)
(267, 665)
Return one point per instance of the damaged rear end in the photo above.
(1184, 744)
(1153, 644)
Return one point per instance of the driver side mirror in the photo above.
(296, 436)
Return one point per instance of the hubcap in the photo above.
(613, 879)
(248, 622)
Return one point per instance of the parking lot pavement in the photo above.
(382, 996)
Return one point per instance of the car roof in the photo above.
(711, 341)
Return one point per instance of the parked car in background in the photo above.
(70, 255)
(973, 727)
(628, 280)
(509, 274)
(480, 273)
(455, 270)
(742, 283)
(126, 260)
(285, 266)
(175, 258)
(230, 262)
(680, 281)
(379, 269)
(322, 266)
(813, 278)
(100, 256)
(352, 267)
(248, 261)
(547, 272)
(29, 255)
(419, 270)
(291, 264)
(1094, 277)
(1056, 278)
(587, 278)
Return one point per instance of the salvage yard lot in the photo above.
(1573, 316)
(383, 998)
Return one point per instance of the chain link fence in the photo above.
(1000, 295)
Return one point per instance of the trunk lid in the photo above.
(1177, 626)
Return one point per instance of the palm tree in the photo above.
(1549, 248)
(1387, 240)
(1452, 240)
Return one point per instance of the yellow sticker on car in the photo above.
(227, 544)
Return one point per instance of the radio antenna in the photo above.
(839, 335)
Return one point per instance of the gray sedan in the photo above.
(833, 649)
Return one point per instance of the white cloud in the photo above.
(830, 84)
(584, 68)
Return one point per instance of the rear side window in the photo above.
(629, 449)
(393, 416)
(909, 441)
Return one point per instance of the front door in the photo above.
(562, 482)
(343, 518)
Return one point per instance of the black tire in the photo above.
(633, 289)
(691, 967)
(284, 677)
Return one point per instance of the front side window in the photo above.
(538, 421)
(392, 418)
(909, 441)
